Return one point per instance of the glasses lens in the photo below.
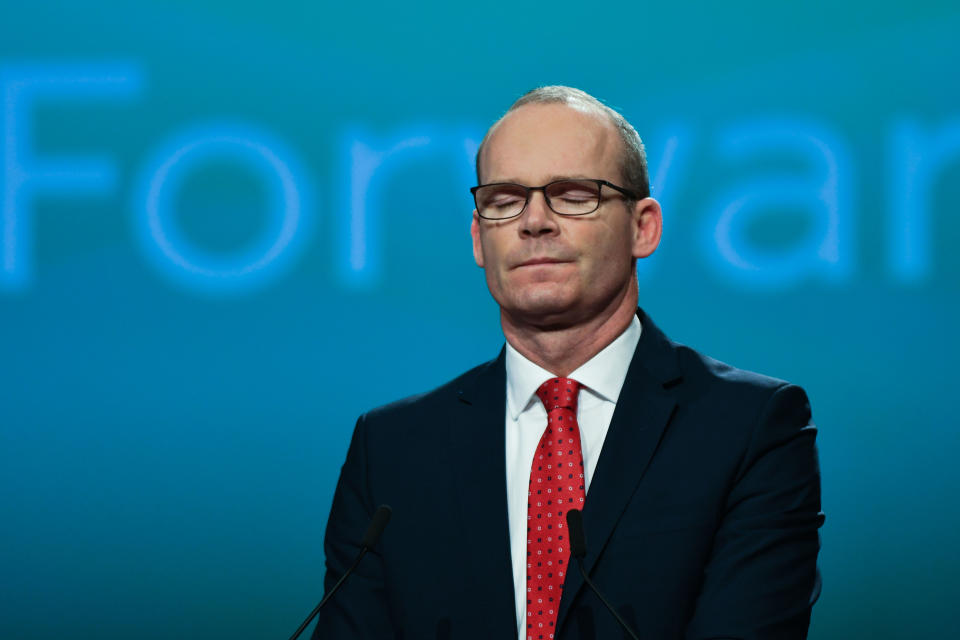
(498, 201)
(573, 197)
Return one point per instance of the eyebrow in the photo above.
(553, 178)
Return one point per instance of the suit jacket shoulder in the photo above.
(725, 390)
(430, 414)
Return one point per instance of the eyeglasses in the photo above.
(503, 200)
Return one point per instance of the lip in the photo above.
(532, 262)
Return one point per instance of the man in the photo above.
(698, 482)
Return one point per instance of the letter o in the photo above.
(186, 264)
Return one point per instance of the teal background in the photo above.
(170, 441)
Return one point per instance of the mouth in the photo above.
(532, 262)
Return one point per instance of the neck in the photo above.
(562, 347)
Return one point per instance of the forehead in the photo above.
(539, 142)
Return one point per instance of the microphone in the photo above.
(379, 521)
(377, 524)
(578, 549)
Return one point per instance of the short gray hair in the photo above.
(633, 163)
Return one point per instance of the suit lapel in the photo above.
(479, 449)
(643, 410)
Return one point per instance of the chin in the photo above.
(544, 302)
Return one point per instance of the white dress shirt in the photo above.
(601, 379)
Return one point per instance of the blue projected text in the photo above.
(823, 189)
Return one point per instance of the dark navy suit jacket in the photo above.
(701, 518)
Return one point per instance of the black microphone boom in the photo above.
(578, 549)
(377, 524)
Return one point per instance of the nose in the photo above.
(537, 218)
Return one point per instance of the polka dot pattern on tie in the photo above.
(556, 486)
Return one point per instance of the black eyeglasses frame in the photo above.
(600, 184)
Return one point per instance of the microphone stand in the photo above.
(578, 549)
(377, 524)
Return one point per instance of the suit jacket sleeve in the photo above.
(359, 609)
(761, 579)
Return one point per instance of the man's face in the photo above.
(543, 268)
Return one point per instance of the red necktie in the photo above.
(556, 486)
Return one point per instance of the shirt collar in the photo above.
(603, 374)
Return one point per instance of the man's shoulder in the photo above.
(725, 391)
(698, 366)
(675, 363)
(441, 398)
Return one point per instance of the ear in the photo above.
(647, 227)
(475, 234)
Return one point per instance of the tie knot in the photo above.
(559, 393)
